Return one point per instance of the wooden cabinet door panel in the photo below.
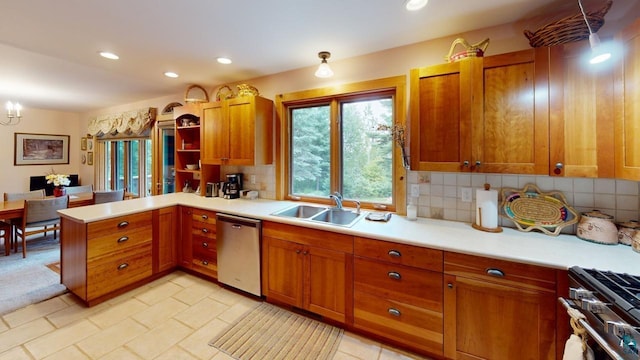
(215, 134)
(627, 108)
(485, 320)
(166, 238)
(326, 283)
(117, 241)
(185, 251)
(511, 133)
(241, 132)
(283, 270)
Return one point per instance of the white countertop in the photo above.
(561, 251)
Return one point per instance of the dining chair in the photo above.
(5, 235)
(15, 223)
(40, 213)
(81, 189)
(100, 197)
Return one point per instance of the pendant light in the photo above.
(598, 54)
(324, 71)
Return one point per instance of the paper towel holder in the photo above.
(497, 229)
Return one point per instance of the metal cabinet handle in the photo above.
(305, 252)
(394, 253)
(204, 216)
(298, 251)
(394, 312)
(236, 226)
(123, 224)
(123, 239)
(205, 262)
(123, 266)
(495, 272)
(559, 165)
(478, 163)
(205, 230)
(394, 275)
(450, 285)
(205, 244)
(465, 163)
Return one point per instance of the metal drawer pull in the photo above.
(123, 239)
(204, 216)
(394, 253)
(123, 224)
(394, 312)
(495, 272)
(123, 266)
(205, 244)
(236, 226)
(205, 262)
(394, 275)
(205, 230)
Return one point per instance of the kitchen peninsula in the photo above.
(454, 250)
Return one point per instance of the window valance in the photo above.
(135, 123)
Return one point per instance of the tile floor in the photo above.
(171, 318)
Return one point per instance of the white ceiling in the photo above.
(49, 60)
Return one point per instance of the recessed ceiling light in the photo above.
(171, 74)
(109, 55)
(413, 5)
(224, 60)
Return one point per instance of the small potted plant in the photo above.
(59, 182)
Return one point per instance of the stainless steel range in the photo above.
(611, 304)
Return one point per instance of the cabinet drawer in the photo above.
(204, 247)
(203, 229)
(205, 266)
(396, 253)
(118, 241)
(500, 271)
(412, 286)
(117, 224)
(305, 236)
(395, 320)
(203, 216)
(123, 268)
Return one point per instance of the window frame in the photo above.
(144, 148)
(393, 86)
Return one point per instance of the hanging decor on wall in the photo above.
(134, 123)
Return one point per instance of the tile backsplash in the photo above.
(440, 194)
(265, 178)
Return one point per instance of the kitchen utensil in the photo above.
(597, 227)
(627, 230)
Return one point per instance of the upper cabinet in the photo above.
(487, 115)
(581, 113)
(187, 143)
(238, 131)
(627, 110)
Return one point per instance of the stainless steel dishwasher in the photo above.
(238, 246)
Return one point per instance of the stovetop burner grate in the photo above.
(624, 285)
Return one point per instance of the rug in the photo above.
(29, 281)
(269, 332)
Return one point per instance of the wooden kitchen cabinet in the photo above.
(198, 247)
(581, 113)
(101, 258)
(238, 131)
(398, 293)
(496, 309)
(187, 144)
(627, 98)
(309, 269)
(485, 115)
(165, 238)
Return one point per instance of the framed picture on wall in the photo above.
(41, 149)
(83, 144)
(90, 158)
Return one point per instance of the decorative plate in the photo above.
(531, 209)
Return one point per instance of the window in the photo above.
(125, 161)
(341, 142)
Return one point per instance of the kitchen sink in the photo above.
(330, 216)
(337, 217)
(301, 211)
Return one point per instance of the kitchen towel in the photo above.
(573, 349)
(487, 208)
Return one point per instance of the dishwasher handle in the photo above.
(238, 221)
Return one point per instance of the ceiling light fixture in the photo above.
(324, 71)
(224, 60)
(171, 74)
(13, 112)
(414, 5)
(598, 54)
(109, 55)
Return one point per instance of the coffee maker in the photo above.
(232, 186)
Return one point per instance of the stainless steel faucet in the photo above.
(337, 197)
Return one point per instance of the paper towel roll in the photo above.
(487, 208)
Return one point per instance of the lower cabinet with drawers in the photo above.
(199, 241)
(398, 293)
(102, 257)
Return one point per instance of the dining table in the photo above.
(14, 209)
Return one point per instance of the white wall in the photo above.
(36, 121)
